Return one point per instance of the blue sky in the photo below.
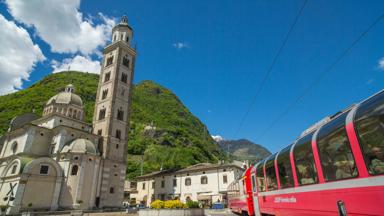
(214, 54)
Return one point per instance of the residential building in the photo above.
(204, 182)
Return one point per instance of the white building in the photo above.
(58, 161)
(206, 183)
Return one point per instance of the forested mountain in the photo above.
(162, 130)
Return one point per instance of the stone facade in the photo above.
(58, 161)
(206, 183)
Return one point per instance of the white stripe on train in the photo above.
(342, 184)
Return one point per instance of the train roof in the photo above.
(319, 124)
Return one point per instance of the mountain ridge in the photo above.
(244, 149)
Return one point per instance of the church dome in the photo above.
(66, 97)
(80, 146)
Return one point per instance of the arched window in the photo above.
(14, 167)
(187, 181)
(74, 170)
(14, 147)
(120, 114)
(127, 39)
(204, 180)
(126, 61)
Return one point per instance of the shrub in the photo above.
(174, 204)
(157, 204)
(193, 204)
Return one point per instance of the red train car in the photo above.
(240, 194)
(334, 168)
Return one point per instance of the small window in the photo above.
(109, 61)
(74, 170)
(304, 161)
(174, 182)
(253, 181)
(102, 114)
(335, 151)
(126, 61)
(104, 94)
(99, 132)
(153, 185)
(124, 78)
(111, 190)
(14, 147)
(14, 167)
(114, 38)
(225, 179)
(187, 181)
(107, 77)
(44, 169)
(285, 169)
(271, 173)
(118, 134)
(120, 114)
(127, 39)
(260, 177)
(369, 123)
(162, 184)
(117, 146)
(204, 180)
(143, 186)
(122, 92)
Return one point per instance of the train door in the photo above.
(255, 198)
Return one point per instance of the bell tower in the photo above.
(111, 115)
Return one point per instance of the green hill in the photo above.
(163, 132)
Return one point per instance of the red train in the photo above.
(335, 168)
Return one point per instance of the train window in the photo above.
(270, 173)
(244, 189)
(304, 161)
(260, 178)
(285, 169)
(369, 123)
(253, 183)
(335, 151)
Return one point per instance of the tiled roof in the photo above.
(193, 168)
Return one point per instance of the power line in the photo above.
(322, 75)
(270, 68)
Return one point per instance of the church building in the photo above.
(58, 161)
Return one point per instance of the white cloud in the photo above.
(381, 64)
(180, 45)
(18, 56)
(78, 63)
(62, 25)
(217, 138)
